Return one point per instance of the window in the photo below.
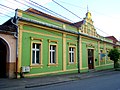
(36, 53)
(52, 54)
(71, 54)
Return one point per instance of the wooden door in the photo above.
(90, 58)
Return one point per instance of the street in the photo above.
(106, 82)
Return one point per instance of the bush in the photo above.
(114, 55)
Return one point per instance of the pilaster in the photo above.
(64, 52)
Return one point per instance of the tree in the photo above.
(114, 55)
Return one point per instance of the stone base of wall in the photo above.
(10, 70)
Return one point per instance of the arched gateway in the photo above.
(4, 57)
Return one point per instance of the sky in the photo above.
(105, 13)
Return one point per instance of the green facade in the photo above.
(63, 36)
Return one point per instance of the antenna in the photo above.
(87, 9)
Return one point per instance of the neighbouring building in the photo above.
(115, 41)
(7, 51)
(49, 45)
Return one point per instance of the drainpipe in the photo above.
(78, 53)
(16, 36)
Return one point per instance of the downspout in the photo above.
(16, 36)
(78, 52)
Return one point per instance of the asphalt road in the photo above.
(106, 82)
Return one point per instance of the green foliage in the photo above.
(114, 55)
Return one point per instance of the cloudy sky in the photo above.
(105, 13)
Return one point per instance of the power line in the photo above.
(15, 3)
(76, 15)
(101, 30)
(71, 4)
(44, 10)
(84, 8)
(37, 6)
(50, 10)
(23, 3)
(66, 9)
(40, 8)
(5, 14)
(31, 14)
(7, 7)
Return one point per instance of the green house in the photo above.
(48, 45)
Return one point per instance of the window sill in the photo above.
(71, 63)
(36, 65)
(54, 64)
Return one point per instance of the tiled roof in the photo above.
(10, 28)
(112, 38)
(78, 24)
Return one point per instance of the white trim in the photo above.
(35, 49)
(52, 51)
(72, 55)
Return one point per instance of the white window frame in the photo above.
(36, 50)
(36, 41)
(53, 43)
(72, 59)
(52, 56)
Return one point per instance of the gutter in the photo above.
(16, 36)
(78, 53)
(47, 25)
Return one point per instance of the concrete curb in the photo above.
(50, 83)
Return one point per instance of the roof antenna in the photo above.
(87, 9)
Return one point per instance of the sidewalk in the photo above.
(23, 83)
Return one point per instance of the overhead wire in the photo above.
(23, 3)
(47, 9)
(95, 27)
(51, 10)
(81, 7)
(5, 14)
(31, 14)
(40, 8)
(19, 5)
(4, 9)
(66, 9)
(75, 14)
(7, 7)
(101, 31)
(71, 4)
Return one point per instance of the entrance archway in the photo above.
(3, 58)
